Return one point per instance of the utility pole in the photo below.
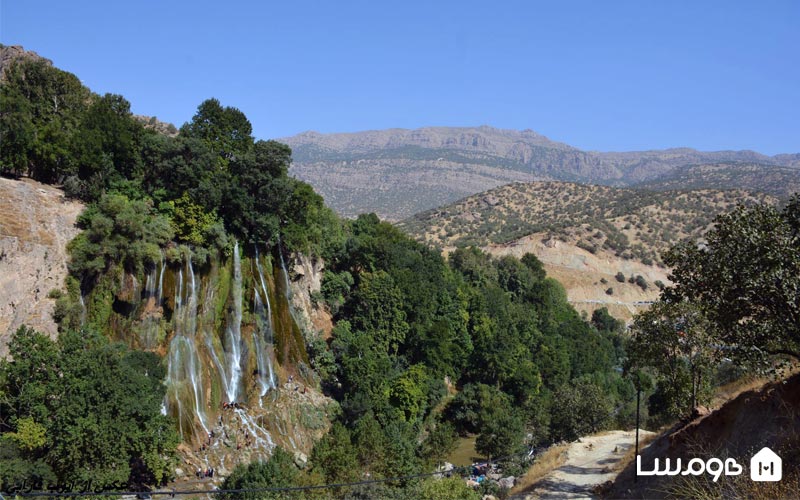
(638, 397)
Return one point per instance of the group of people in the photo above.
(202, 474)
(247, 441)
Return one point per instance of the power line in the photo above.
(458, 469)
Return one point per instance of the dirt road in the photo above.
(590, 461)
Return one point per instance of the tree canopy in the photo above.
(746, 279)
(81, 413)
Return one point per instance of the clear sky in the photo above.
(601, 75)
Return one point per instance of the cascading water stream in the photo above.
(83, 307)
(233, 353)
(162, 267)
(184, 380)
(263, 335)
(261, 437)
(286, 291)
(153, 286)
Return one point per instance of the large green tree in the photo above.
(746, 280)
(677, 341)
(40, 108)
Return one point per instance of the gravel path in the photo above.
(590, 461)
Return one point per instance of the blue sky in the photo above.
(600, 75)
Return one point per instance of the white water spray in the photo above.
(233, 354)
(184, 380)
(263, 335)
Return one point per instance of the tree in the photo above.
(279, 471)
(106, 145)
(377, 310)
(17, 133)
(535, 265)
(335, 457)
(501, 435)
(605, 322)
(579, 409)
(370, 442)
(225, 130)
(40, 107)
(117, 231)
(678, 341)
(408, 393)
(190, 222)
(475, 406)
(441, 441)
(746, 279)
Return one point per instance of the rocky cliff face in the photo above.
(36, 223)
(305, 281)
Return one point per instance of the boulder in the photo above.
(507, 482)
(300, 459)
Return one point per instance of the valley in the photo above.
(337, 315)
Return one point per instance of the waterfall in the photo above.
(184, 379)
(261, 437)
(135, 293)
(152, 318)
(83, 307)
(162, 267)
(263, 334)
(148, 287)
(233, 354)
(287, 291)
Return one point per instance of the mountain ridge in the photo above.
(399, 172)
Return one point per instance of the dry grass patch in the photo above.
(630, 455)
(552, 458)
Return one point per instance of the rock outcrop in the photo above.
(36, 223)
(11, 53)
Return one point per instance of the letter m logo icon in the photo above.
(766, 465)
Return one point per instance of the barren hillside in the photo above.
(398, 172)
(595, 240)
(634, 224)
(590, 278)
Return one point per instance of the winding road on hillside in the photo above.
(590, 461)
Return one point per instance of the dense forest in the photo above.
(424, 348)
